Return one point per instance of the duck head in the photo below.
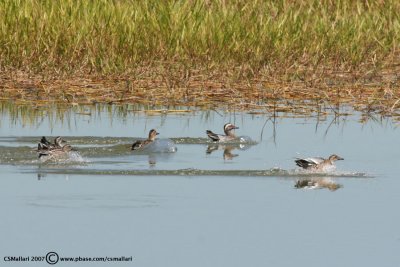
(229, 127)
(153, 134)
(335, 157)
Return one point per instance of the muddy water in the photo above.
(238, 204)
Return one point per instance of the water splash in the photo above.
(71, 157)
(158, 146)
(114, 156)
(246, 140)
(327, 171)
(74, 156)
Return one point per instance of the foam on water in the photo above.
(74, 156)
(246, 140)
(114, 156)
(71, 157)
(159, 146)
(274, 172)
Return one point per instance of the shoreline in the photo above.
(198, 88)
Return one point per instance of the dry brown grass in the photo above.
(174, 85)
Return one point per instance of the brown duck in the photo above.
(142, 143)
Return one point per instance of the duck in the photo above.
(142, 143)
(55, 152)
(229, 134)
(318, 163)
(45, 144)
(57, 148)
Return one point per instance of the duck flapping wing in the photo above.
(308, 162)
(212, 136)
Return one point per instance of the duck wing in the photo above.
(315, 160)
(308, 162)
(44, 144)
(44, 141)
(138, 144)
(212, 136)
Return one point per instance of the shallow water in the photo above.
(237, 204)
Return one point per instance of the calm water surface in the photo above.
(203, 205)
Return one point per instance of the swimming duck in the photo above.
(45, 144)
(229, 134)
(141, 143)
(58, 148)
(318, 164)
(55, 152)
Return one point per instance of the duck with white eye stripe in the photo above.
(229, 130)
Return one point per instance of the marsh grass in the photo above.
(200, 51)
(116, 36)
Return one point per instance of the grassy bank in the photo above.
(116, 36)
(196, 52)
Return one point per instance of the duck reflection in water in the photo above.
(153, 159)
(227, 154)
(317, 183)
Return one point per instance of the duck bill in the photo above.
(339, 158)
(157, 133)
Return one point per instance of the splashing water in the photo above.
(74, 156)
(159, 146)
(71, 157)
(246, 140)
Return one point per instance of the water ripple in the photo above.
(273, 172)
